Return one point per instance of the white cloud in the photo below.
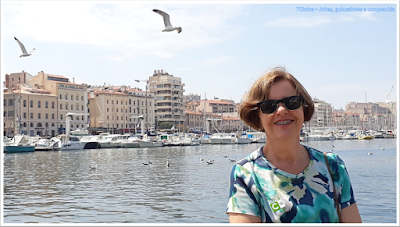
(132, 28)
(298, 21)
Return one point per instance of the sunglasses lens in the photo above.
(291, 103)
(268, 107)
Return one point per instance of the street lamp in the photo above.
(147, 84)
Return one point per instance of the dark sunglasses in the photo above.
(290, 103)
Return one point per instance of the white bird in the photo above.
(201, 159)
(167, 163)
(93, 167)
(167, 23)
(370, 153)
(382, 148)
(210, 162)
(24, 53)
(232, 160)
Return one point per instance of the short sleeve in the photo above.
(342, 181)
(243, 196)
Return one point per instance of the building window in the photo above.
(52, 116)
(31, 124)
(24, 103)
(77, 97)
(82, 119)
(72, 97)
(60, 106)
(82, 107)
(31, 115)
(38, 115)
(52, 105)
(60, 96)
(81, 98)
(47, 116)
(31, 103)
(61, 117)
(24, 115)
(107, 101)
(66, 106)
(72, 107)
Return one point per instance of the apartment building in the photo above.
(119, 109)
(71, 98)
(322, 114)
(15, 79)
(168, 92)
(227, 107)
(29, 111)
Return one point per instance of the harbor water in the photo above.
(60, 186)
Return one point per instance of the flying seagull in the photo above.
(167, 23)
(24, 53)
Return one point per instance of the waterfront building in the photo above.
(168, 92)
(71, 98)
(322, 114)
(15, 79)
(222, 106)
(119, 109)
(29, 111)
(211, 122)
(375, 116)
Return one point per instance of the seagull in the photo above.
(145, 163)
(225, 156)
(150, 162)
(24, 53)
(210, 162)
(201, 159)
(232, 160)
(167, 163)
(93, 167)
(382, 148)
(167, 23)
(370, 153)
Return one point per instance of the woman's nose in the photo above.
(281, 109)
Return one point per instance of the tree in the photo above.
(166, 125)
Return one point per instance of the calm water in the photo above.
(59, 186)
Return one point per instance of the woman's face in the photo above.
(283, 124)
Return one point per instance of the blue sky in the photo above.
(223, 48)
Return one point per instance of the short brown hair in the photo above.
(261, 90)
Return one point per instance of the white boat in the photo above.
(18, 144)
(243, 139)
(70, 143)
(129, 141)
(205, 139)
(388, 134)
(319, 137)
(92, 141)
(216, 138)
(110, 141)
(150, 142)
(229, 138)
(80, 132)
(46, 145)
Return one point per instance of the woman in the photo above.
(284, 181)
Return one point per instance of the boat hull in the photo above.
(15, 149)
